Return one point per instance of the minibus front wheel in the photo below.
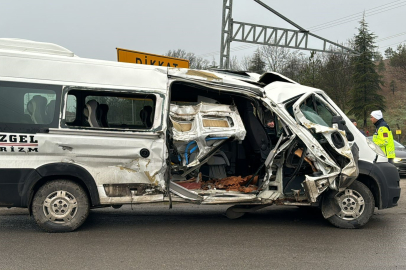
(60, 206)
(356, 205)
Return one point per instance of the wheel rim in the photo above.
(60, 207)
(351, 203)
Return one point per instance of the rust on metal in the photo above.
(232, 183)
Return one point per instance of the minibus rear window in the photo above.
(24, 107)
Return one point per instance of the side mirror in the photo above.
(343, 126)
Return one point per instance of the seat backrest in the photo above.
(145, 115)
(256, 134)
(50, 110)
(92, 113)
(104, 109)
(36, 108)
(219, 158)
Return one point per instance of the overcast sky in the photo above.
(93, 29)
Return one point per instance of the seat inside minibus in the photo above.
(203, 118)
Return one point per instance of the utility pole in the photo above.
(226, 26)
(268, 35)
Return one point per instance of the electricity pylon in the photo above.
(268, 35)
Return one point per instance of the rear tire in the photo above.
(60, 206)
(357, 205)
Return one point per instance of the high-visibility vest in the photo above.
(384, 138)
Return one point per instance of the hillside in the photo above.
(395, 114)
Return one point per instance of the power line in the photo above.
(357, 16)
(392, 44)
(351, 20)
(316, 26)
(390, 37)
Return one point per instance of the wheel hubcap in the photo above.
(60, 206)
(351, 203)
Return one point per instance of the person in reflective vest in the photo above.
(383, 135)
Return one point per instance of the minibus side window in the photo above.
(317, 112)
(109, 110)
(325, 113)
(312, 115)
(71, 109)
(29, 108)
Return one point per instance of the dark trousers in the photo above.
(390, 160)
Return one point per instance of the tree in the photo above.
(388, 53)
(367, 82)
(234, 64)
(245, 63)
(335, 78)
(257, 64)
(393, 86)
(381, 66)
(195, 62)
(277, 58)
(398, 61)
(294, 67)
(311, 71)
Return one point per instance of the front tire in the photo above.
(60, 206)
(356, 204)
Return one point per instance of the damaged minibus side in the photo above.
(81, 133)
(325, 149)
(333, 161)
(205, 136)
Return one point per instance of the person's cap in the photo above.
(377, 114)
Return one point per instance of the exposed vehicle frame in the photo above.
(73, 157)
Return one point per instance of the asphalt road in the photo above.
(201, 237)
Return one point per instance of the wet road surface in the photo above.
(201, 237)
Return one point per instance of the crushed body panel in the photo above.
(204, 124)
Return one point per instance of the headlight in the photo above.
(375, 147)
(397, 160)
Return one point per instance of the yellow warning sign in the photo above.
(398, 132)
(136, 57)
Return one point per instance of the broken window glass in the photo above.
(317, 112)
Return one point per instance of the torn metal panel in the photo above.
(321, 160)
(280, 92)
(314, 186)
(269, 162)
(351, 168)
(217, 81)
(203, 74)
(230, 198)
(197, 129)
(269, 195)
(270, 77)
(184, 192)
(129, 189)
